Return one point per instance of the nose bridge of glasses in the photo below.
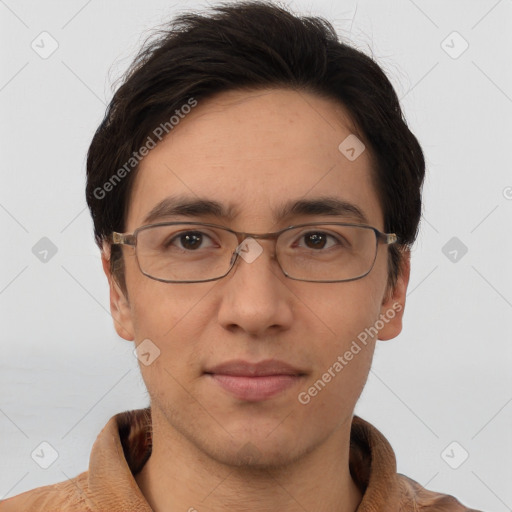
(242, 235)
(250, 245)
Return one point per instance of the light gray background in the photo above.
(63, 370)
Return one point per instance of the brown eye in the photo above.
(190, 241)
(318, 240)
(315, 240)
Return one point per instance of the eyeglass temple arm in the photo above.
(387, 238)
(122, 238)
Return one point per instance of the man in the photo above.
(255, 192)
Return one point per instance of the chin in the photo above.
(261, 447)
(258, 458)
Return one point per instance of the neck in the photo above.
(180, 477)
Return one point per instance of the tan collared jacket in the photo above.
(124, 445)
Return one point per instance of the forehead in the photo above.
(254, 152)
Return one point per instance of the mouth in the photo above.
(254, 382)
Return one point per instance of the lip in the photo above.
(240, 368)
(255, 381)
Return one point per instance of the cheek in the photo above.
(344, 309)
(161, 311)
(173, 318)
(345, 314)
(342, 356)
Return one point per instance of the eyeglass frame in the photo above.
(130, 239)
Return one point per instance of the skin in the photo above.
(254, 151)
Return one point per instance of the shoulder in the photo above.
(429, 501)
(67, 496)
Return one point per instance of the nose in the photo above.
(255, 300)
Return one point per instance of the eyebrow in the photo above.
(197, 207)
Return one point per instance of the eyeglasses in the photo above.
(190, 252)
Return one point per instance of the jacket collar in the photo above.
(124, 446)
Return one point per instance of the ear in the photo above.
(119, 305)
(393, 305)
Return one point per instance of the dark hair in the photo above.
(251, 45)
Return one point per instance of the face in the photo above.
(254, 153)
